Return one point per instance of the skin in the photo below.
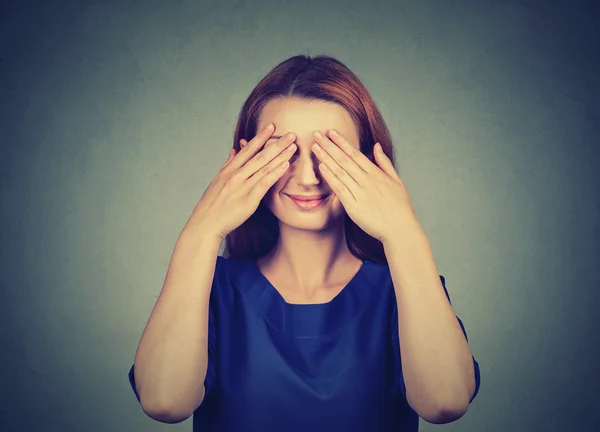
(436, 360)
(311, 262)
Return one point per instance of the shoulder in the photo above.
(227, 266)
(376, 276)
(230, 273)
(224, 268)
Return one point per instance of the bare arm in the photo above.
(172, 357)
(437, 363)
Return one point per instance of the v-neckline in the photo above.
(306, 320)
(277, 292)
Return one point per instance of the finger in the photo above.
(355, 154)
(265, 156)
(384, 162)
(340, 155)
(248, 151)
(268, 175)
(339, 170)
(340, 190)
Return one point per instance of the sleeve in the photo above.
(211, 371)
(396, 342)
(210, 379)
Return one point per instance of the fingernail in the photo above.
(269, 127)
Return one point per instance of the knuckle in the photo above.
(225, 172)
(222, 176)
(354, 153)
(245, 150)
(265, 170)
(246, 199)
(233, 180)
(227, 186)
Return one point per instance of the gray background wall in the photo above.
(116, 115)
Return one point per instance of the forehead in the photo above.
(303, 117)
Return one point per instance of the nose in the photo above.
(305, 169)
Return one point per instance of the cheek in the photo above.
(274, 191)
(277, 186)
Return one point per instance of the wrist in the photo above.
(197, 236)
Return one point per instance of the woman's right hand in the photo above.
(244, 179)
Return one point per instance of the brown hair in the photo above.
(325, 78)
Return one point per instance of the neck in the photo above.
(310, 260)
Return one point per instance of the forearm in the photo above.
(172, 357)
(437, 363)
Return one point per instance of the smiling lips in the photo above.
(308, 202)
(308, 197)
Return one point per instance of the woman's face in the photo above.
(303, 176)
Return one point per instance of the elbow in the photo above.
(443, 413)
(166, 409)
(444, 406)
(439, 410)
(164, 413)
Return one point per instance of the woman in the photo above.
(328, 280)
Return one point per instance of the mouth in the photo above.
(308, 197)
(308, 202)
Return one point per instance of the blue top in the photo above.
(275, 366)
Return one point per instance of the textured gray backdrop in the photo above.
(116, 115)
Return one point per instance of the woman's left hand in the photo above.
(373, 196)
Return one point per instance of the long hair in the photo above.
(321, 78)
